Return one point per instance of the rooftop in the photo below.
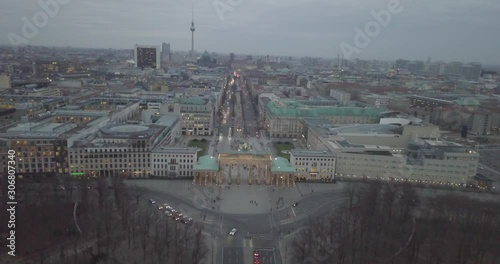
(310, 153)
(167, 120)
(281, 165)
(46, 127)
(206, 163)
(367, 129)
(128, 128)
(296, 109)
(191, 101)
(165, 149)
(130, 131)
(79, 113)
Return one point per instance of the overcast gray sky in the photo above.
(449, 30)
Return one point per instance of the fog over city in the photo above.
(448, 30)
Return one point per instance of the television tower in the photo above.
(192, 31)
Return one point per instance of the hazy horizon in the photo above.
(450, 30)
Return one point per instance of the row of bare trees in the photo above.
(117, 226)
(392, 224)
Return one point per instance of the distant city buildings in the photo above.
(469, 72)
(166, 56)
(84, 112)
(342, 97)
(5, 81)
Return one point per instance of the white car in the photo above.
(233, 232)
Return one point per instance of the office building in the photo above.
(41, 149)
(173, 162)
(196, 113)
(342, 97)
(409, 153)
(165, 53)
(284, 118)
(147, 57)
(5, 82)
(313, 165)
(116, 150)
(378, 101)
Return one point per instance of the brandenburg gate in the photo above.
(257, 167)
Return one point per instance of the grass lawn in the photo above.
(200, 145)
(283, 146)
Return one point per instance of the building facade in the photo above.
(197, 115)
(313, 165)
(122, 149)
(173, 162)
(341, 96)
(285, 118)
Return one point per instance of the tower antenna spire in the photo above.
(192, 30)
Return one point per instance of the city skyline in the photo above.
(296, 28)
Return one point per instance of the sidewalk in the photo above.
(285, 246)
(243, 199)
(306, 189)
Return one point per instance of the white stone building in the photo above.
(173, 162)
(313, 165)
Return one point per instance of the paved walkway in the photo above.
(236, 199)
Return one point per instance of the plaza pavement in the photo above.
(236, 199)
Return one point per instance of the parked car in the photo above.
(187, 220)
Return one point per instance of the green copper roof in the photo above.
(206, 163)
(467, 102)
(296, 109)
(280, 164)
(191, 100)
